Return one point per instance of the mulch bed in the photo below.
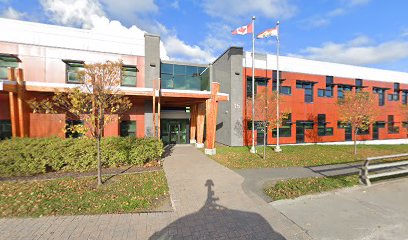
(105, 171)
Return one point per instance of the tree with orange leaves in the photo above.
(358, 110)
(265, 111)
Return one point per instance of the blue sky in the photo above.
(370, 33)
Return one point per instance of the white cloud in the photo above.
(129, 8)
(175, 4)
(180, 51)
(358, 51)
(72, 12)
(12, 13)
(356, 2)
(231, 9)
(89, 14)
(325, 19)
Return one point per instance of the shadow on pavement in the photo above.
(214, 221)
(336, 169)
(168, 150)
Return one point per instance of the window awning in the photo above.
(9, 57)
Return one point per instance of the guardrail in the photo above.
(386, 169)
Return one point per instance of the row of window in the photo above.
(129, 73)
(127, 128)
(328, 91)
(322, 129)
(184, 77)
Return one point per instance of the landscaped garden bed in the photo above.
(53, 176)
(293, 188)
(32, 156)
(305, 155)
(128, 193)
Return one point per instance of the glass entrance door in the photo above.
(174, 131)
(375, 131)
(300, 132)
(348, 133)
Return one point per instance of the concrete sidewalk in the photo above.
(376, 212)
(208, 201)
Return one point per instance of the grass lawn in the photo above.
(293, 188)
(72, 196)
(305, 155)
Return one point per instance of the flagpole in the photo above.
(277, 148)
(253, 150)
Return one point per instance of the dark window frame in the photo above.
(125, 74)
(5, 129)
(392, 129)
(73, 66)
(286, 129)
(322, 129)
(125, 132)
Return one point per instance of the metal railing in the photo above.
(383, 169)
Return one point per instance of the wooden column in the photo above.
(21, 105)
(211, 113)
(193, 123)
(200, 125)
(13, 106)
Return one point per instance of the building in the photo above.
(185, 102)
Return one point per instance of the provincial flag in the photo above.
(243, 30)
(273, 32)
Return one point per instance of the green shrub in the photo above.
(30, 156)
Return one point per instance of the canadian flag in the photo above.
(243, 30)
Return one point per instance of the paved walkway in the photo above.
(208, 201)
(257, 179)
(376, 212)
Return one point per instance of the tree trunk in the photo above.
(264, 150)
(98, 144)
(355, 144)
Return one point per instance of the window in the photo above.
(342, 88)
(405, 97)
(284, 90)
(5, 129)
(128, 128)
(329, 91)
(396, 87)
(392, 129)
(6, 61)
(73, 68)
(393, 97)
(381, 95)
(70, 126)
(321, 92)
(322, 129)
(329, 80)
(286, 129)
(308, 87)
(308, 124)
(129, 75)
(405, 125)
(359, 82)
(258, 82)
(363, 132)
(184, 77)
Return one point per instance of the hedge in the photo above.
(30, 156)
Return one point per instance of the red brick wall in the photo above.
(324, 105)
